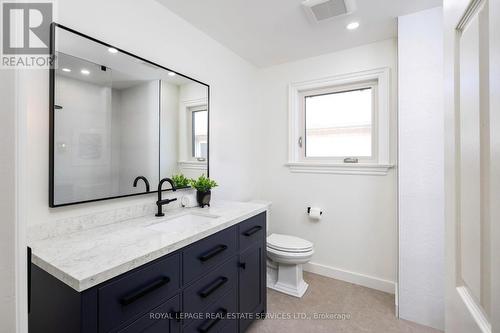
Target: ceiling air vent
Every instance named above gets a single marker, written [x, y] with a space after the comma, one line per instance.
[322, 10]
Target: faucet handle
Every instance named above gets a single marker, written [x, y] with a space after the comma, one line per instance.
[165, 201]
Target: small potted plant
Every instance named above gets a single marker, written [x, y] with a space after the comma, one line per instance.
[203, 185]
[180, 181]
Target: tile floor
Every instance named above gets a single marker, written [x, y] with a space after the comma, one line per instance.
[369, 310]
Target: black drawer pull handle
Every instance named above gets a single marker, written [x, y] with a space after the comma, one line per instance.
[212, 253]
[208, 325]
[252, 231]
[242, 265]
[219, 282]
[131, 298]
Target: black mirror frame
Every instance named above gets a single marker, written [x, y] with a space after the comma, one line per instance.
[53, 27]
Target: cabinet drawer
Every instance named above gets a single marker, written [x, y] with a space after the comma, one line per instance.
[216, 315]
[132, 295]
[163, 319]
[252, 230]
[208, 253]
[211, 287]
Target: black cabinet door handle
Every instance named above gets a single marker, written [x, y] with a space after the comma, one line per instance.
[219, 282]
[208, 325]
[134, 296]
[252, 231]
[212, 253]
[242, 265]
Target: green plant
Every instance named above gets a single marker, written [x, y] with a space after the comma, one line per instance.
[180, 180]
[203, 184]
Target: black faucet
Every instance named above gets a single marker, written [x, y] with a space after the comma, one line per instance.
[145, 182]
[161, 202]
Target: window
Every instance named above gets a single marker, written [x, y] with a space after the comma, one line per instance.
[199, 132]
[340, 124]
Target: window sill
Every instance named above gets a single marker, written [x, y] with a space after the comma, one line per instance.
[193, 165]
[340, 168]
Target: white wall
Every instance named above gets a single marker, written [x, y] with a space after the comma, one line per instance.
[356, 239]
[421, 165]
[153, 32]
[7, 201]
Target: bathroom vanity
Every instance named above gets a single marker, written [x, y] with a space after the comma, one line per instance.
[194, 270]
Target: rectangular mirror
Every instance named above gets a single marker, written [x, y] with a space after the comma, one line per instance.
[115, 117]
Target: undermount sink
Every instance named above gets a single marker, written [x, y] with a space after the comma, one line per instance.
[179, 223]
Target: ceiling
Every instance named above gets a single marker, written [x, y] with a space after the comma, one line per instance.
[269, 32]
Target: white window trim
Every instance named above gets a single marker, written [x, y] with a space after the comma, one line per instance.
[191, 110]
[192, 165]
[187, 107]
[381, 164]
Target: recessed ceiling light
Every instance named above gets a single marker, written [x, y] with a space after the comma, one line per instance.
[352, 26]
[67, 70]
[171, 74]
[112, 50]
[85, 71]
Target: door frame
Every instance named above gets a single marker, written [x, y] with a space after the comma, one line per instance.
[21, 268]
[494, 8]
[460, 304]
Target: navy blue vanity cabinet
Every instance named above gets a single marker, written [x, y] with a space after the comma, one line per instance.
[128, 296]
[217, 284]
[57, 308]
[216, 316]
[163, 319]
[211, 287]
[204, 255]
[252, 275]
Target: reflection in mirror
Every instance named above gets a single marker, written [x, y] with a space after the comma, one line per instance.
[199, 136]
[184, 123]
[117, 117]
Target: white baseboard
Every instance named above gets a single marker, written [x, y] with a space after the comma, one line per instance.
[475, 310]
[352, 277]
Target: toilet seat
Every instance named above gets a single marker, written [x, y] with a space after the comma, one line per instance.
[289, 244]
[289, 257]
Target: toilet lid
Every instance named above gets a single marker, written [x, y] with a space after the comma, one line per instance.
[288, 243]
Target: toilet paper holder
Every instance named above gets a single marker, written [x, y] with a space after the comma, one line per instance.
[309, 211]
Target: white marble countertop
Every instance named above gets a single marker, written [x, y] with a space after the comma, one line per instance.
[85, 258]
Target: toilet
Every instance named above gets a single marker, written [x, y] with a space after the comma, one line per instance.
[286, 255]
